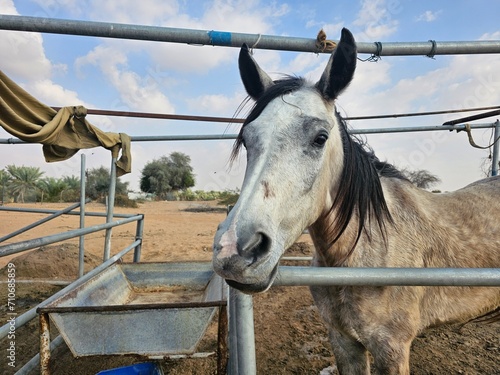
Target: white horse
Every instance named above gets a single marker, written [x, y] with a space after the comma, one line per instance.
[305, 171]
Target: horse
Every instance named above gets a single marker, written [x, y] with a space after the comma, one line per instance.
[305, 170]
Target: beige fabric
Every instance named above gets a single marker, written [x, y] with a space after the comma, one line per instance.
[63, 133]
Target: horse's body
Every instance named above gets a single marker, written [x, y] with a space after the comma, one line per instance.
[305, 171]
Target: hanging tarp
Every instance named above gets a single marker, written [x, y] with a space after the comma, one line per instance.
[63, 133]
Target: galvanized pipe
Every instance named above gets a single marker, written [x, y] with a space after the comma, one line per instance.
[110, 208]
[81, 241]
[49, 211]
[241, 334]
[218, 137]
[138, 237]
[496, 150]
[323, 276]
[229, 39]
[47, 240]
[40, 222]
[21, 320]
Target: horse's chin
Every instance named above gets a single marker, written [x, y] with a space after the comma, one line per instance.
[256, 287]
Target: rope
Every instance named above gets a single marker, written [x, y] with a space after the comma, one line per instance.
[471, 140]
[255, 44]
[432, 53]
[323, 44]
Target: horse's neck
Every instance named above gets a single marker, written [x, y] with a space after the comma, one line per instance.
[370, 247]
[328, 253]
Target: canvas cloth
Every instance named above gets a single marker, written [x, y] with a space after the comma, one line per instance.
[63, 133]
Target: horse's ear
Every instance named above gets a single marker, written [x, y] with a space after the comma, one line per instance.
[340, 68]
[255, 80]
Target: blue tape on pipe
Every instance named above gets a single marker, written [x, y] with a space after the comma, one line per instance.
[219, 38]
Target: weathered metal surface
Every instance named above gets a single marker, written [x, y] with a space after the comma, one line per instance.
[44, 344]
[151, 309]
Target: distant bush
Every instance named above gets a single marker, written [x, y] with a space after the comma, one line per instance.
[122, 200]
[224, 197]
[228, 197]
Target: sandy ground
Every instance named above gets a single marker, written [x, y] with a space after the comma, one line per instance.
[290, 337]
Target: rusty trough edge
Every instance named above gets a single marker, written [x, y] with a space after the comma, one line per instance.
[110, 308]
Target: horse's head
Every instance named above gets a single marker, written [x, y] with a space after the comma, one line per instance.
[291, 133]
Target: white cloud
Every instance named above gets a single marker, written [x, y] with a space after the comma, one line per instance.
[48, 92]
[376, 19]
[215, 104]
[22, 54]
[136, 92]
[429, 16]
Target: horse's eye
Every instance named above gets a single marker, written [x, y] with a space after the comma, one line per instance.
[320, 139]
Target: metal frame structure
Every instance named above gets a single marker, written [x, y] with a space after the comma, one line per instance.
[240, 306]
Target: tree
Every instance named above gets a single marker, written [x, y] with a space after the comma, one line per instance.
[98, 182]
[24, 180]
[4, 183]
[421, 178]
[53, 188]
[167, 174]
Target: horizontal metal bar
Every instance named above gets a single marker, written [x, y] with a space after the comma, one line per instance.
[239, 120]
[230, 39]
[48, 211]
[47, 240]
[211, 137]
[161, 116]
[188, 137]
[151, 306]
[41, 221]
[324, 276]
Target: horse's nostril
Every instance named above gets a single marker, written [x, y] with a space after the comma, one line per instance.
[260, 248]
[256, 247]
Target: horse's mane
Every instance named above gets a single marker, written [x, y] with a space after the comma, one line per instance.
[360, 192]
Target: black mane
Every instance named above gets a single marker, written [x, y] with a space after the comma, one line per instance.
[360, 193]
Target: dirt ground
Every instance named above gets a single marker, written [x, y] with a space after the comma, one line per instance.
[290, 337]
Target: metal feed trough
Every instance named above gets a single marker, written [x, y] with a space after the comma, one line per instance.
[150, 309]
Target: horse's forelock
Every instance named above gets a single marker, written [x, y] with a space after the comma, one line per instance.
[281, 87]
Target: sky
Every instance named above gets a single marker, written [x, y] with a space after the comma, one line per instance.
[112, 74]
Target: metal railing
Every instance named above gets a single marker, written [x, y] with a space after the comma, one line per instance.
[240, 305]
[18, 247]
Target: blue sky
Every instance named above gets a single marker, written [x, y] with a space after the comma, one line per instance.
[62, 70]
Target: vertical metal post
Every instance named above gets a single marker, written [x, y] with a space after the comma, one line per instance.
[138, 236]
[222, 341]
[81, 253]
[241, 334]
[110, 208]
[3, 192]
[44, 344]
[496, 149]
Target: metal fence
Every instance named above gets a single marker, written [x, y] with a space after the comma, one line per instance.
[241, 340]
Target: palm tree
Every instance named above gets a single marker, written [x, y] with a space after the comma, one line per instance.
[4, 181]
[23, 180]
[53, 187]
